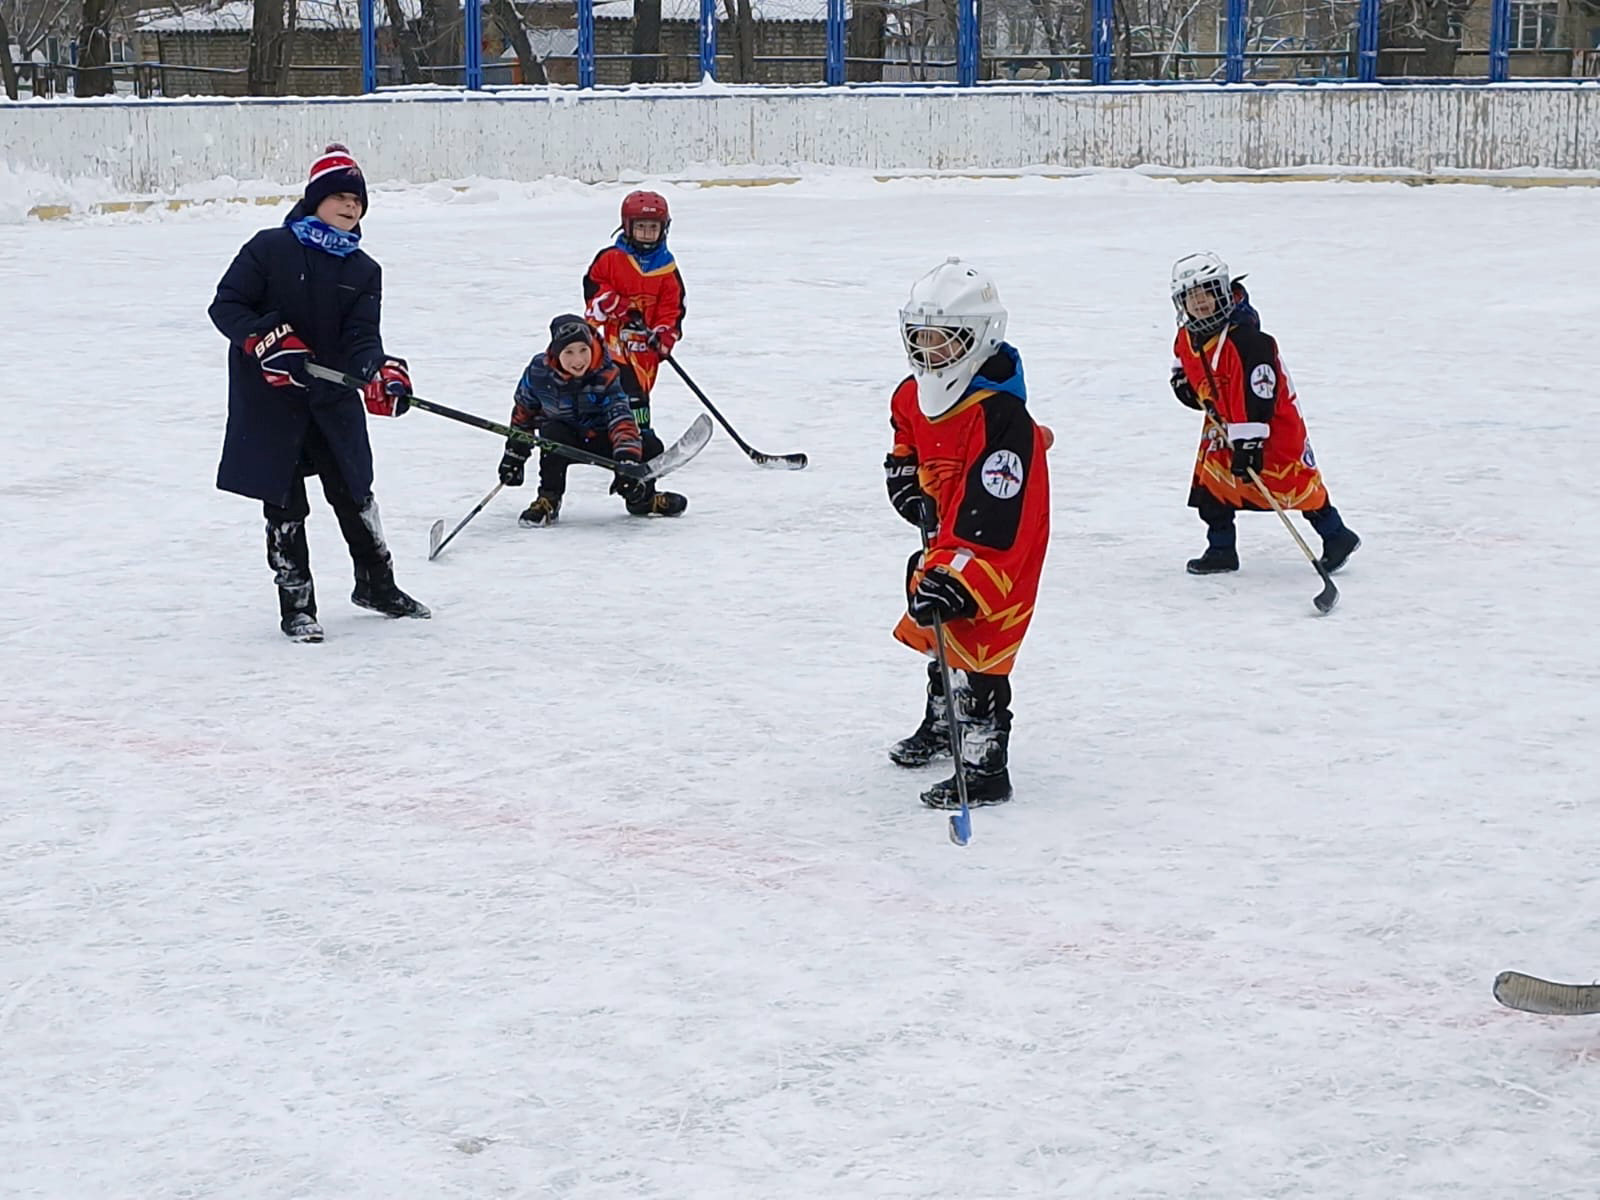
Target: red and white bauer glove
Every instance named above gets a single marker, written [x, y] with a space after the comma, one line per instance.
[388, 393]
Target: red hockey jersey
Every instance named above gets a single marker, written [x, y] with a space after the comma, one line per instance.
[983, 463]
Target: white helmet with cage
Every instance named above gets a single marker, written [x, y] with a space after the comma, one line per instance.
[951, 324]
[1202, 292]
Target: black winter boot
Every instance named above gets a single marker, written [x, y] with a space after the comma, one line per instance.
[984, 760]
[643, 500]
[289, 556]
[1337, 548]
[932, 738]
[1217, 560]
[377, 590]
[545, 510]
[301, 627]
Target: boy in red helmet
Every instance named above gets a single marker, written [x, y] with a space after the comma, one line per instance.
[635, 297]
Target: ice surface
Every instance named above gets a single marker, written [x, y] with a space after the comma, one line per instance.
[599, 884]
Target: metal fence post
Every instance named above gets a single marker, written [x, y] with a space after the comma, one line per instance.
[1367, 42]
[369, 47]
[1101, 16]
[834, 71]
[708, 39]
[472, 35]
[1499, 41]
[586, 43]
[1238, 21]
[967, 42]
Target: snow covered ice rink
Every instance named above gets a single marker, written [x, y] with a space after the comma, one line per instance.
[600, 885]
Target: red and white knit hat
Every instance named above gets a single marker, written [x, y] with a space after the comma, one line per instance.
[334, 171]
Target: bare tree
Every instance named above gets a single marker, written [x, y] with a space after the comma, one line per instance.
[405, 41]
[509, 23]
[643, 67]
[266, 48]
[1420, 37]
[286, 54]
[743, 22]
[8, 69]
[94, 49]
[441, 35]
[865, 38]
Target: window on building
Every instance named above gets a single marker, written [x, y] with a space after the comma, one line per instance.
[1533, 24]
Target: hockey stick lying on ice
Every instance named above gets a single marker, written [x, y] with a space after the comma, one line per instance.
[785, 462]
[961, 819]
[437, 542]
[693, 441]
[1329, 595]
[1526, 993]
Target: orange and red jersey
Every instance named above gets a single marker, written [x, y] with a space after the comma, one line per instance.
[1238, 373]
[646, 288]
[983, 464]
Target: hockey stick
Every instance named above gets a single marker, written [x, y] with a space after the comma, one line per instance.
[436, 543]
[681, 451]
[961, 820]
[1324, 600]
[1527, 993]
[786, 462]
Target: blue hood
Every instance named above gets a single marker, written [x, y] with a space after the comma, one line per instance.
[998, 377]
[654, 261]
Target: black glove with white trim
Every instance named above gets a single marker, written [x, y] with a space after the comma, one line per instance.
[940, 596]
[906, 494]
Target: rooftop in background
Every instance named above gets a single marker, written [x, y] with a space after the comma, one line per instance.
[237, 14]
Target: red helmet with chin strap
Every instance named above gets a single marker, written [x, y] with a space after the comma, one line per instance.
[645, 206]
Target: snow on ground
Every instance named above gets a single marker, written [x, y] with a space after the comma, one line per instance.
[599, 883]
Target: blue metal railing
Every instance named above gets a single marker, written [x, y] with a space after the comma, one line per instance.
[1234, 61]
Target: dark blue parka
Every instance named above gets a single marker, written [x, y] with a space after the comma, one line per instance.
[333, 304]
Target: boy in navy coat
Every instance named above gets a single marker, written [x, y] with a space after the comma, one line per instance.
[300, 292]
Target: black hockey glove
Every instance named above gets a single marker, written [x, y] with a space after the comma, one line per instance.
[1186, 394]
[513, 465]
[1247, 455]
[940, 596]
[906, 494]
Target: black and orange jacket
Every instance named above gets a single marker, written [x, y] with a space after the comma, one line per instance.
[983, 464]
[1239, 374]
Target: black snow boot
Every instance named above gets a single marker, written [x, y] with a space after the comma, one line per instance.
[301, 627]
[376, 589]
[984, 749]
[932, 738]
[643, 500]
[289, 556]
[545, 510]
[1338, 547]
[1217, 560]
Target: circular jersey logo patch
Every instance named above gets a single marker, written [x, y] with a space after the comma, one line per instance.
[1264, 381]
[1002, 474]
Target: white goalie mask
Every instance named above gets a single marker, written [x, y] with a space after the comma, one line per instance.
[950, 326]
[1202, 292]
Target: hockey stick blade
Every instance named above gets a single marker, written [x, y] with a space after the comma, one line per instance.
[1529, 994]
[779, 462]
[1328, 596]
[961, 826]
[435, 536]
[693, 441]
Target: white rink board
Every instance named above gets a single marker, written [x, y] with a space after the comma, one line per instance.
[157, 147]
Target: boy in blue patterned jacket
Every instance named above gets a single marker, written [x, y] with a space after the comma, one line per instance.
[572, 394]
